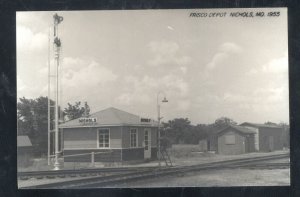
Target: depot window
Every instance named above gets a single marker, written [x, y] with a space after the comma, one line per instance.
[133, 137]
[103, 138]
[230, 139]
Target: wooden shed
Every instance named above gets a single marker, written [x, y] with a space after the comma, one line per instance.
[112, 135]
[235, 140]
[25, 151]
[267, 137]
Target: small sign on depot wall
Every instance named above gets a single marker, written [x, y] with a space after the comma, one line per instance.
[145, 120]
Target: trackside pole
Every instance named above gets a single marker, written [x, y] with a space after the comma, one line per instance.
[57, 47]
[49, 121]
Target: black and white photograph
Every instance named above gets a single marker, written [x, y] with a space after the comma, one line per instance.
[152, 98]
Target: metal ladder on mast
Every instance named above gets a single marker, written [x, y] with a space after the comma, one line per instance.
[166, 157]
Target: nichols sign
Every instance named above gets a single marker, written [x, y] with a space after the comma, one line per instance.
[87, 120]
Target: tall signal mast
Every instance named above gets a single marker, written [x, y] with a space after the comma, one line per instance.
[54, 73]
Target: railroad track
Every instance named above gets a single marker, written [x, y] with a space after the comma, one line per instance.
[75, 173]
[263, 166]
[147, 173]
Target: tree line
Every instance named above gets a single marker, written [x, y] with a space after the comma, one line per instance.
[32, 121]
[180, 130]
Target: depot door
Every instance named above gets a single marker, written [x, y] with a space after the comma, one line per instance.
[147, 144]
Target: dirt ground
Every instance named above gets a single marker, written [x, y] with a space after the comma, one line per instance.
[182, 155]
[220, 178]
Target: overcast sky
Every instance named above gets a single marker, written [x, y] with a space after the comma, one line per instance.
[207, 67]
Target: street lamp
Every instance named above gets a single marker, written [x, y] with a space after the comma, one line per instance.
[158, 127]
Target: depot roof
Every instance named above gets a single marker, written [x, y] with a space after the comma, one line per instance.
[109, 117]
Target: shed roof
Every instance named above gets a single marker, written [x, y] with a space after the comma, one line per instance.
[23, 141]
[257, 125]
[240, 129]
[109, 117]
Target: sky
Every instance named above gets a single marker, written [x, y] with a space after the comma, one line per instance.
[207, 67]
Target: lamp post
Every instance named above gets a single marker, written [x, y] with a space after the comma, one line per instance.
[158, 127]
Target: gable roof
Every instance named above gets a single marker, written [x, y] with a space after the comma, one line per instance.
[256, 125]
[109, 117]
[240, 129]
[23, 141]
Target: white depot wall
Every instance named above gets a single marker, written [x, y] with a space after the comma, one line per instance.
[80, 138]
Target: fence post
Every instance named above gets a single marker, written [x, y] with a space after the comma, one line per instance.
[93, 159]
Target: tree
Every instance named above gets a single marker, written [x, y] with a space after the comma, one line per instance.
[224, 122]
[25, 116]
[76, 111]
[203, 131]
[178, 129]
[33, 121]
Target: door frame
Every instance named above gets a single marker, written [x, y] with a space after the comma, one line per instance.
[147, 149]
[271, 143]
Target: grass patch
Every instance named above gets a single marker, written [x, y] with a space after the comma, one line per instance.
[186, 150]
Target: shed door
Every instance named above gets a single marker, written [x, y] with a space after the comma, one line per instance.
[247, 144]
[147, 144]
[271, 143]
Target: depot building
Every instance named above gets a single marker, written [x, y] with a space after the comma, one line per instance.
[110, 135]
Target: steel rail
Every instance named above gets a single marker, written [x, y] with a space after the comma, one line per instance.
[262, 165]
[114, 179]
[78, 171]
